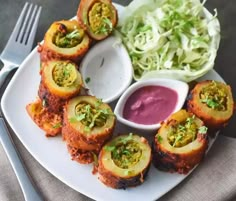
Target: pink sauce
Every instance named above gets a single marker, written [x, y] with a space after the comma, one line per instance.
[150, 105]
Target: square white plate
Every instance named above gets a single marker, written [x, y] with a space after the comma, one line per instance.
[52, 153]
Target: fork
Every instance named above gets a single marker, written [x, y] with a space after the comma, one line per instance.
[17, 48]
[21, 40]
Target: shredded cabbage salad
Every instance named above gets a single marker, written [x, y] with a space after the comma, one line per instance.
[170, 38]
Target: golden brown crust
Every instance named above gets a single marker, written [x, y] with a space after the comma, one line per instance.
[52, 102]
[115, 176]
[177, 159]
[79, 140]
[181, 163]
[212, 118]
[53, 95]
[111, 180]
[82, 17]
[75, 135]
[81, 156]
[50, 122]
[49, 51]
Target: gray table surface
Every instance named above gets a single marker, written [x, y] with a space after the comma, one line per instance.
[54, 10]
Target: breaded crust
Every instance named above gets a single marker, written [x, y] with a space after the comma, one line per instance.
[53, 95]
[48, 121]
[52, 102]
[213, 119]
[82, 17]
[115, 176]
[178, 159]
[76, 136]
[49, 51]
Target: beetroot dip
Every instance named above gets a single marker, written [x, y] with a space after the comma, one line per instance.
[150, 105]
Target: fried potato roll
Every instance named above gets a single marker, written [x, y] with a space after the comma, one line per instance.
[180, 143]
[124, 161]
[60, 81]
[97, 17]
[50, 122]
[88, 123]
[212, 101]
[64, 40]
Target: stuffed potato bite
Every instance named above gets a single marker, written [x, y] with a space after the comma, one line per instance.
[180, 143]
[212, 101]
[64, 40]
[124, 161]
[60, 81]
[49, 122]
[97, 17]
[88, 124]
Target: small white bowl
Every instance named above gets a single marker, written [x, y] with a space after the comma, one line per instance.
[181, 88]
[107, 69]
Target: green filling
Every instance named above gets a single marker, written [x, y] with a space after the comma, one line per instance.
[90, 116]
[183, 133]
[99, 18]
[214, 96]
[65, 38]
[126, 155]
[64, 74]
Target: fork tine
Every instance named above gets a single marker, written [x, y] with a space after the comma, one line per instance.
[29, 25]
[24, 24]
[18, 23]
[30, 39]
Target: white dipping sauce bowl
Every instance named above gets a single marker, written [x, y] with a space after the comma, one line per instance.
[181, 88]
[107, 69]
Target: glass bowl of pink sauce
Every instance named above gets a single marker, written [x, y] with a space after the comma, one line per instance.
[145, 104]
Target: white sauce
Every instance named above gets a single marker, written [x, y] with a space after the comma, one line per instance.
[107, 70]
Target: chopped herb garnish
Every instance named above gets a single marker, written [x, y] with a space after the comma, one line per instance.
[214, 96]
[108, 22]
[91, 115]
[159, 138]
[210, 102]
[98, 103]
[105, 111]
[87, 80]
[127, 172]
[73, 34]
[57, 125]
[106, 27]
[126, 153]
[109, 148]
[177, 139]
[73, 120]
[80, 117]
[202, 130]
[189, 121]
[87, 129]
[181, 127]
[77, 118]
[124, 140]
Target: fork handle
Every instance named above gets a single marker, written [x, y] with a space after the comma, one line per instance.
[5, 71]
[26, 184]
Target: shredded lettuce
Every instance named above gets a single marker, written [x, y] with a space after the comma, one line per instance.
[170, 38]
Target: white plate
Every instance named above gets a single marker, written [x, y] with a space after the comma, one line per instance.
[52, 153]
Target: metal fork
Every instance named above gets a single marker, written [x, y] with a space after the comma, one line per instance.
[18, 47]
[21, 40]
